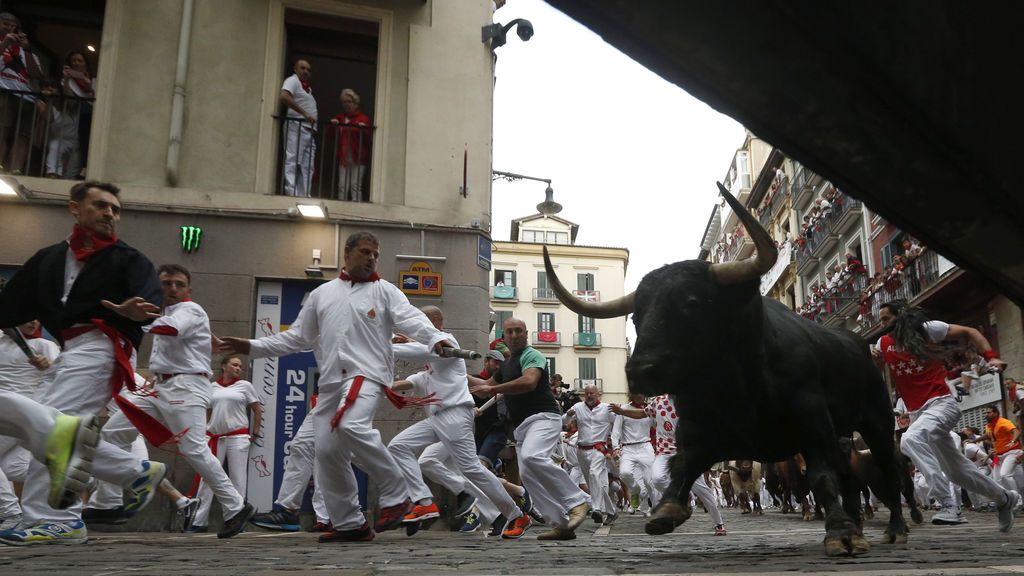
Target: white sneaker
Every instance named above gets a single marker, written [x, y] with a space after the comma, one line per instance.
[10, 522]
[949, 516]
[1006, 510]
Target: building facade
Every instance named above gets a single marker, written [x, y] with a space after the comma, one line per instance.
[583, 350]
[186, 117]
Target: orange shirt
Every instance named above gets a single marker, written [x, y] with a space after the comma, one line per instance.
[1002, 432]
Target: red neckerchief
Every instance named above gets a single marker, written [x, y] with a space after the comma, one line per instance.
[79, 234]
[305, 85]
[371, 278]
[222, 383]
[636, 405]
[84, 84]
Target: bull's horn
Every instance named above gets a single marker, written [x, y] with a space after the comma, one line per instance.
[751, 268]
[614, 309]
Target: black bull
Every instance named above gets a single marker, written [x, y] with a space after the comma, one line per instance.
[753, 380]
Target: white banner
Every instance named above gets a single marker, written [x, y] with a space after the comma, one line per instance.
[260, 491]
[984, 390]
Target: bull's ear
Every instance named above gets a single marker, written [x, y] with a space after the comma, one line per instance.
[745, 270]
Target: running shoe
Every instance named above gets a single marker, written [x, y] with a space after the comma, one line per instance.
[471, 524]
[10, 522]
[69, 452]
[524, 502]
[1006, 511]
[322, 526]
[465, 503]
[390, 517]
[498, 526]
[951, 515]
[577, 515]
[142, 490]
[720, 530]
[557, 534]
[196, 529]
[281, 520]
[234, 525]
[516, 528]
[73, 532]
[361, 534]
[188, 511]
[420, 513]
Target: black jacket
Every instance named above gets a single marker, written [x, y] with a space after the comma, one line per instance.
[116, 274]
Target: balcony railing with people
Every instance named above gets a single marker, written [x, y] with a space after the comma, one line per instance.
[503, 293]
[580, 383]
[546, 338]
[330, 160]
[45, 133]
[586, 339]
[908, 277]
[828, 216]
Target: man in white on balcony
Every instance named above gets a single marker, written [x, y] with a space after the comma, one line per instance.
[595, 420]
[299, 129]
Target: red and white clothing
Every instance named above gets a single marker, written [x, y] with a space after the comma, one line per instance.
[14, 70]
[109, 496]
[662, 410]
[182, 345]
[632, 437]
[229, 438]
[933, 415]
[350, 325]
[592, 449]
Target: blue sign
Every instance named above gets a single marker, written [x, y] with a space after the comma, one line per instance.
[483, 253]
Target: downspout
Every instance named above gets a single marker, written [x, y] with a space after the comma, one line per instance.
[178, 102]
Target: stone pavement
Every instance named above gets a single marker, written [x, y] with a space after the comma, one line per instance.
[771, 544]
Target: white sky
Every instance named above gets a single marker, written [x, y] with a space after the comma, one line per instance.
[633, 159]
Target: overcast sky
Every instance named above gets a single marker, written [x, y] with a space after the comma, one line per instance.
[633, 159]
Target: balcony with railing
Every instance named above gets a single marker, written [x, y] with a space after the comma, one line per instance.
[586, 339]
[740, 246]
[580, 383]
[329, 160]
[773, 203]
[544, 296]
[504, 293]
[845, 210]
[546, 339]
[587, 295]
[920, 274]
[48, 133]
[801, 188]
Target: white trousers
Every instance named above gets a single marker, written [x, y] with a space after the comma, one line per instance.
[235, 451]
[299, 156]
[109, 496]
[1010, 474]
[437, 464]
[14, 461]
[977, 499]
[78, 385]
[183, 412]
[299, 467]
[635, 464]
[926, 442]
[453, 428]
[354, 439]
[350, 182]
[594, 465]
[551, 490]
[663, 476]
[63, 157]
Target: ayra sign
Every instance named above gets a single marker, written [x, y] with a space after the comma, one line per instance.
[420, 280]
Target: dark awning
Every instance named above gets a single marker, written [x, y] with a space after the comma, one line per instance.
[913, 107]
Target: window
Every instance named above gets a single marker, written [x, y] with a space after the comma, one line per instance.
[558, 237]
[330, 162]
[504, 277]
[545, 322]
[533, 235]
[586, 324]
[542, 282]
[551, 365]
[743, 169]
[588, 368]
[499, 322]
[893, 248]
[855, 249]
[585, 281]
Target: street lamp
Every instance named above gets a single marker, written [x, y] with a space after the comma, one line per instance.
[548, 207]
[497, 34]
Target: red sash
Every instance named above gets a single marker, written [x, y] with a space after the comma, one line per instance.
[123, 375]
[599, 446]
[213, 450]
[396, 399]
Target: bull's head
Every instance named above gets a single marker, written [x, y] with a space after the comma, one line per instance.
[685, 312]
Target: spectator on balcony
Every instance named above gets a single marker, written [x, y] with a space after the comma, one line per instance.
[77, 81]
[59, 116]
[854, 266]
[19, 67]
[299, 130]
[353, 130]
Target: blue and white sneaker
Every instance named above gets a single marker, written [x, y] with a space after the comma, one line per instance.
[472, 523]
[142, 490]
[73, 532]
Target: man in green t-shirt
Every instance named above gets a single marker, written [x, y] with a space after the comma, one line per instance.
[532, 409]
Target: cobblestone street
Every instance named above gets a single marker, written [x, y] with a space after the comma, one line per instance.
[774, 543]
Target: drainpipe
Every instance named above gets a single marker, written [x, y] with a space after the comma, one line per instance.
[178, 103]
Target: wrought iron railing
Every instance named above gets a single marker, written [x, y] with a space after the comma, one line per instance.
[544, 295]
[47, 134]
[919, 274]
[327, 160]
[579, 383]
[546, 338]
[586, 339]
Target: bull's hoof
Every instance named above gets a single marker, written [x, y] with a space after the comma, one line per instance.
[852, 545]
[915, 516]
[891, 537]
[665, 518]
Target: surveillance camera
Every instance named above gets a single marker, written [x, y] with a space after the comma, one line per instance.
[525, 30]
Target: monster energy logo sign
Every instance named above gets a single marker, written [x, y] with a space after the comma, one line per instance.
[190, 238]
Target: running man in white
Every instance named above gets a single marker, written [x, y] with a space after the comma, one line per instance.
[631, 439]
[595, 419]
[180, 360]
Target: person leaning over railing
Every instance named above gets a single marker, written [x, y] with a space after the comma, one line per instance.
[353, 129]
[77, 81]
[18, 68]
[59, 116]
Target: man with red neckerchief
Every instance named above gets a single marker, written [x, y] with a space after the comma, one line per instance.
[595, 420]
[300, 127]
[631, 439]
[95, 293]
[349, 323]
[909, 350]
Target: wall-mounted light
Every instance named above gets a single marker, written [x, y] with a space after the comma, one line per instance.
[497, 33]
[90, 47]
[318, 211]
[10, 187]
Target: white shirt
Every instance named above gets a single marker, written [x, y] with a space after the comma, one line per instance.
[72, 268]
[304, 99]
[16, 374]
[229, 406]
[569, 449]
[975, 452]
[595, 425]
[187, 350]
[631, 430]
[445, 377]
[351, 325]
